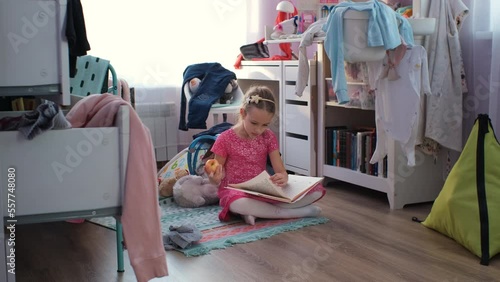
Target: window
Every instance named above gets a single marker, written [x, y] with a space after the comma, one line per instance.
[151, 42]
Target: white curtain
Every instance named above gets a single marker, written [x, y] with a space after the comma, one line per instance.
[494, 107]
[480, 40]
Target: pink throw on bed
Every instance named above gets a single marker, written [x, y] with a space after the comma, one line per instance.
[141, 212]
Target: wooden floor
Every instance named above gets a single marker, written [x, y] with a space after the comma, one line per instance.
[363, 241]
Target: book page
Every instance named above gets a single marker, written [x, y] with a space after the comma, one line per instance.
[295, 189]
[262, 184]
[299, 185]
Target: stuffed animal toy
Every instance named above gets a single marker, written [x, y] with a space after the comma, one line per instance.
[226, 98]
[286, 29]
[166, 186]
[192, 191]
[194, 84]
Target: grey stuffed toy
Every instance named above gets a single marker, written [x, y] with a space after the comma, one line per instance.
[192, 191]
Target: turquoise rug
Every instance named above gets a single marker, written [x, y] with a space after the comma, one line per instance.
[217, 234]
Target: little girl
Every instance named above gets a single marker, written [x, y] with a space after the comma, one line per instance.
[242, 153]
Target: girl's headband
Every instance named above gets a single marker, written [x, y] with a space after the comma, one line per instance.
[256, 99]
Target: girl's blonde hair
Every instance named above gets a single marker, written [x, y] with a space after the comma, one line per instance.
[260, 97]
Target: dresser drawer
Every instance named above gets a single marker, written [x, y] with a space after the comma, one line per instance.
[259, 72]
[291, 73]
[297, 119]
[290, 87]
[297, 152]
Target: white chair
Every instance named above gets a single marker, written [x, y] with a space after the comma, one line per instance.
[217, 108]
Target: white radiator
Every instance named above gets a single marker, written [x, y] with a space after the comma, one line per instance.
[161, 119]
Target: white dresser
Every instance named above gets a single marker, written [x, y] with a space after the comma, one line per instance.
[295, 126]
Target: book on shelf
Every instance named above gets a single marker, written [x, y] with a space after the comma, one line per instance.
[23, 104]
[328, 146]
[331, 144]
[261, 185]
[361, 151]
[352, 148]
[374, 167]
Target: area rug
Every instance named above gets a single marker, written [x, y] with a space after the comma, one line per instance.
[217, 234]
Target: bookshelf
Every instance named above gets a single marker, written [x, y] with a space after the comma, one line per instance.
[402, 184]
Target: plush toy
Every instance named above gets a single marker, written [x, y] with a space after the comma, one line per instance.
[194, 84]
[226, 98]
[286, 29]
[166, 186]
[192, 191]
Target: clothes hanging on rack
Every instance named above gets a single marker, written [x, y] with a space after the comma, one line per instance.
[397, 102]
[314, 30]
[383, 30]
[76, 34]
[444, 112]
[394, 56]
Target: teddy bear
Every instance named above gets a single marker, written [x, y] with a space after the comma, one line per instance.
[166, 186]
[226, 98]
[192, 191]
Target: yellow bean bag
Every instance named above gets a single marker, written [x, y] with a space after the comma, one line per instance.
[468, 207]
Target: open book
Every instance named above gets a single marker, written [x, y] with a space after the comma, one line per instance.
[262, 186]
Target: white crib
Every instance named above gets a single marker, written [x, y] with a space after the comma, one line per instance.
[59, 175]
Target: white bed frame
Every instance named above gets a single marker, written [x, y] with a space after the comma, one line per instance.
[60, 175]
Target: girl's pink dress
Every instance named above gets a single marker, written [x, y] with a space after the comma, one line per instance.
[245, 158]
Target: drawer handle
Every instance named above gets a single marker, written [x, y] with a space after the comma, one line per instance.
[295, 102]
[298, 136]
[287, 82]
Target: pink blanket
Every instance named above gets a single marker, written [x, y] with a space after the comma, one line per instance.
[141, 212]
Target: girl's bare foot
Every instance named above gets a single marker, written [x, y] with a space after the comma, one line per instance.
[249, 219]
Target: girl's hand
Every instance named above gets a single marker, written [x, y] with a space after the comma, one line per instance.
[280, 178]
[217, 176]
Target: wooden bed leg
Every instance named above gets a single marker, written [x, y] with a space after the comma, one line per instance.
[119, 245]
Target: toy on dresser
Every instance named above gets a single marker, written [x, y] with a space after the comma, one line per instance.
[226, 98]
[286, 29]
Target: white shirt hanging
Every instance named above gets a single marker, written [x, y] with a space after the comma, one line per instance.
[397, 102]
